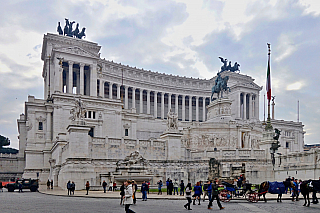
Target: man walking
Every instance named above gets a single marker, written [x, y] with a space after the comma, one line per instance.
[134, 190]
[215, 194]
[69, 187]
[175, 187]
[144, 190]
[181, 188]
[104, 185]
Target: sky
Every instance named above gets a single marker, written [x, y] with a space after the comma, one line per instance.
[181, 37]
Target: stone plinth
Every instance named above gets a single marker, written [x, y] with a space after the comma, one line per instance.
[219, 109]
[174, 150]
[78, 141]
[266, 142]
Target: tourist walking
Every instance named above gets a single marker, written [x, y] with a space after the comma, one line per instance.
[148, 184]
[69, 187]
[128, 196]
[87, 187]
[122, 187]
[110, 186]
[114, 186]
[51, 184]
[197, 193]
[144, 190]
[182, 188]
[205, 191]
[73, 187]
[159, 187]
[1, 187]
[295, 190]
[215, 194]
[167, 184]
[48, 184]
[188, 196]
[104, 186]
[134, 190]
[175, 187]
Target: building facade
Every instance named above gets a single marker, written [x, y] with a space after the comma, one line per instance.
[101, 120]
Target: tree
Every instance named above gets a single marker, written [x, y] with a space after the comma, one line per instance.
[4, 141]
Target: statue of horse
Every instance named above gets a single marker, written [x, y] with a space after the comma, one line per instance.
[235, 67]
[82, 34]
[70, 29]
[220, 86]
[66, 27]
[75, 33]
[59, 29]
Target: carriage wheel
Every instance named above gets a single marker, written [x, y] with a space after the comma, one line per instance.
[253, 197]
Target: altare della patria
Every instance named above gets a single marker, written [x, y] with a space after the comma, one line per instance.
[101, 120]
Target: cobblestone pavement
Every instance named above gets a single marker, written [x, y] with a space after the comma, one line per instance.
[36, 202]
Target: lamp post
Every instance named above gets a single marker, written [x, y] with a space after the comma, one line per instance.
[275, 145]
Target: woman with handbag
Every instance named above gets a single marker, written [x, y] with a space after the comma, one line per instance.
[188, 196]
[128, 200]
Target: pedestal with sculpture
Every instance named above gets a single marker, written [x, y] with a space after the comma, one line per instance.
[172, 136]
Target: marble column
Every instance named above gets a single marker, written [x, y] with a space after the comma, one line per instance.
[244, 106]
[81, 78]
[257, 106]
[148, 101]
[133, 98]
[110, 90]
[78, 83]
[141, 101]
[70, 83]
[169, 101]
[126, 97]
[250, 106]
[155, 110]
[162, 105]
[203, 108]
[101, 89]
[176, 103]
[190, 108]
[93, 80]
[197, 108]
[239, 105]
[183, 108]
[118, 91]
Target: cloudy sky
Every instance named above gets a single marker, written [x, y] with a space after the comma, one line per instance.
[183, 37]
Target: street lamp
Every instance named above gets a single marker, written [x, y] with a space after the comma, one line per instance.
[275, 145]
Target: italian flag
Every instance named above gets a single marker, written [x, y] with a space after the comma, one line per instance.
[268, 82]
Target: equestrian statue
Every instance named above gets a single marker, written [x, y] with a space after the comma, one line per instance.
[68, 31]
[220, 86]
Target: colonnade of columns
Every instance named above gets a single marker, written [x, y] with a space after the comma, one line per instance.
[76, 78]
[249, 104]
[188, 107]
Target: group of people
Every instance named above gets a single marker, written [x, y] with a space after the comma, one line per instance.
[172, 186]
[134, 187]
[71, 186]
[210, 189]
[49, 184]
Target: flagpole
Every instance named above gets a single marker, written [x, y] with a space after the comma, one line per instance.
[269, 126]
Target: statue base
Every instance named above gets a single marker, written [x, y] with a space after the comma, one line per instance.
[219, 110]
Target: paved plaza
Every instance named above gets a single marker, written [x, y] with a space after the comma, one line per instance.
[38, 202]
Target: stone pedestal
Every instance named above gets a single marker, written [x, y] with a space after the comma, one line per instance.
[78, 141]
[174, 146]
[219, 109]
[266, 142]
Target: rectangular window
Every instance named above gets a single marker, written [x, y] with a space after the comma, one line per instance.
[89, 114]
[94, 115]
[40, 126]
[287, 144]
[126, 132]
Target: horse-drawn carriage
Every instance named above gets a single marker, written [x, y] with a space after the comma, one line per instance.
[248, 191]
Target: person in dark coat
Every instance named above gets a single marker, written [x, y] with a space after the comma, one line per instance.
[104, 186]
[144, 190]
[167, 184]
[69, 187]
[48, 184]
[87, 187]
[134, 190]
[170, 187]
[215, 194]
[122, 187]
[73, 187]
[51, 184]
[182, 188]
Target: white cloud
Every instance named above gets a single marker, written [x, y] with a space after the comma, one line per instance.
[311, 6]
[295, 86]
[285, 47]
